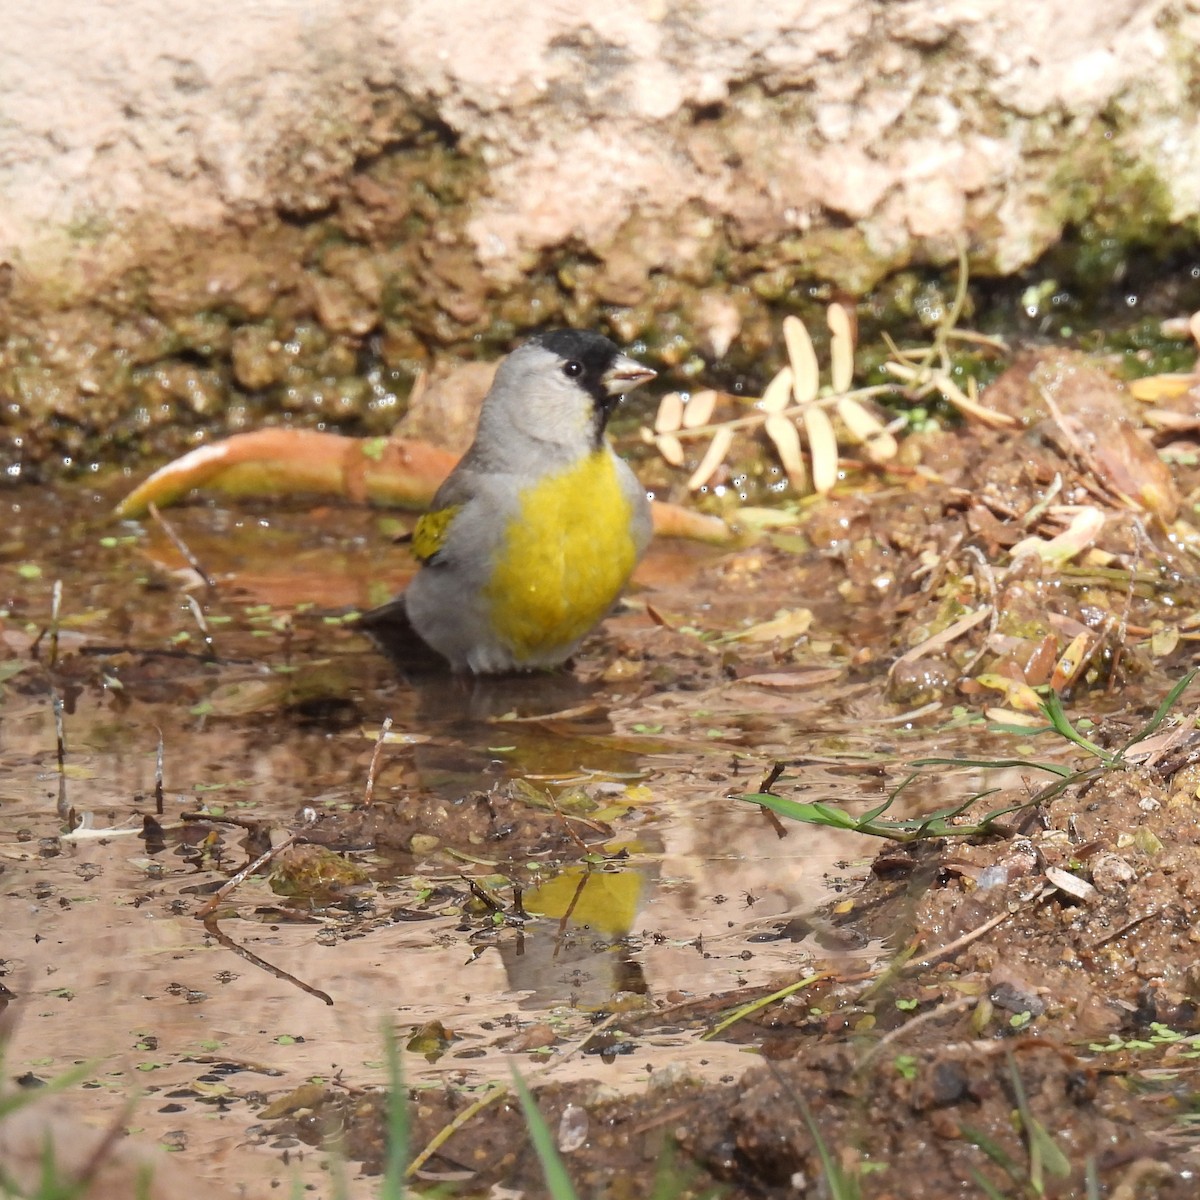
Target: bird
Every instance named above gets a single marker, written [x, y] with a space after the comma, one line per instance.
[532, 537]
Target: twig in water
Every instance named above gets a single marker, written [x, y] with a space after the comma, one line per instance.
[373, 769]
[182, 546]
[235, 880]
[158, 777]
[1124, 929]
[202, 625]
[480, 894]
[55, 606]
[211, 927]
[208, 915]
[60, 741]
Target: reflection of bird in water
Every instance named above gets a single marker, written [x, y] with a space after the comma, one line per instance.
[576, 954]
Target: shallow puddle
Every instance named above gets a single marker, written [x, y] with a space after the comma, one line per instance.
[537, 852]
[640, 883]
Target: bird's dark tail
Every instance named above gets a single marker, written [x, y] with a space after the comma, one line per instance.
[390, 629]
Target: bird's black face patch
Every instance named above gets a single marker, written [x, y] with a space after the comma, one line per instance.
[586, 357]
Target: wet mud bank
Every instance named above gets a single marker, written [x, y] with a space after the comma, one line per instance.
[565, 872]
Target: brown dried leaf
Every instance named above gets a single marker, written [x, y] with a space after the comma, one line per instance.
[670, 413]
[866, 426]
[286, 462]
[777, 393]
[822, 447]
[806, 372]
[675, 521]
[714, 456]
[699, 409]
[841, 348]
[786, 438]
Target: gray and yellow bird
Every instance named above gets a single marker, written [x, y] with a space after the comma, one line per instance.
[531, 538]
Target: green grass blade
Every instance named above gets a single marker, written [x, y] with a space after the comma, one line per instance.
[996, 764]
[1020, 730]
[558, 1182]
[893, 796]
[994, 1151]
[814, 813]
[988, 1189]
[840, 1183]
[1162, 711]
[1057, 716]
[396, 1162]
[745, 1010]
[23, 1097]
[1045, 1154]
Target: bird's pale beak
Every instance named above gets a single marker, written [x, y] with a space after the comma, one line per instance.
[624, 375]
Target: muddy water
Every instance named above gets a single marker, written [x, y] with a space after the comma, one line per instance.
[664, 888]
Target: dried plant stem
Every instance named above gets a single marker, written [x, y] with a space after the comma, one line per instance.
[759, 417]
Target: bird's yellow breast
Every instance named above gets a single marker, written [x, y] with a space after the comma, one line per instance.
[563, 558]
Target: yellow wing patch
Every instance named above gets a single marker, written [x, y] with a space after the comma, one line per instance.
[563, 559]
[429, 533]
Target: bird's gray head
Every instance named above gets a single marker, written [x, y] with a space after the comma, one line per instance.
[558, 391]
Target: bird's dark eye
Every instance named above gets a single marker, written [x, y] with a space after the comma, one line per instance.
[573, 368]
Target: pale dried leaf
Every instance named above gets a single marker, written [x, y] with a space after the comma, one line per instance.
[671, 448]
[1174, 422]
[841, 348]
[1017, 693]
[1072, 885]
[1073, 661]
[806, 372]
[670, 413]
[778, 392]
[792, 680]
[1085, 527]
[786, 438]
[822, 447]
[1007, 716]
[714, 456]
[792, 623]
[944, 638]
[868, 429]
[756, 519]
[1153, 388]
[902, 371]
[1194, 327]
[699, 409]
[1164, 641]
[419, 388]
